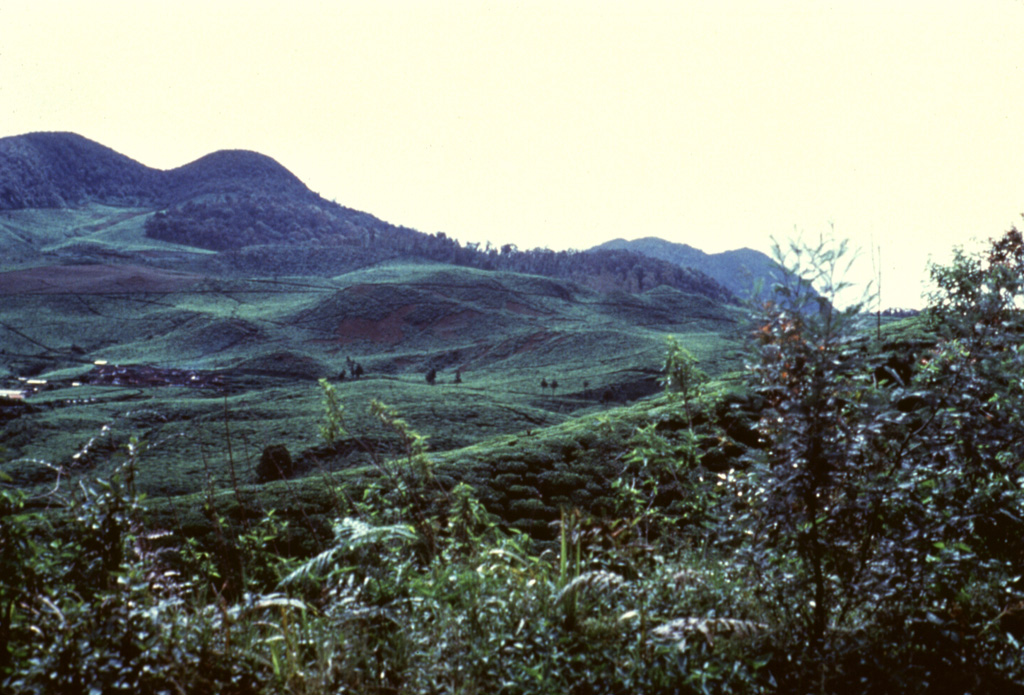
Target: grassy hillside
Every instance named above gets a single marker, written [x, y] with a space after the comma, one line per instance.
[199, 306]
[256, 347]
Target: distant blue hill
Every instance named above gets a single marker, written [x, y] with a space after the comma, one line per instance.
[739, 270]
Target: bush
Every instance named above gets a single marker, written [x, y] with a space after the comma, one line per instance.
[867, 528]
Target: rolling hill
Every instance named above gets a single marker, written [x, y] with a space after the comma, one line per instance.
[163, 305]
[257, 216]
[190, 348]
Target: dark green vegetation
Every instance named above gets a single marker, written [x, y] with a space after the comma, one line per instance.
[593, 508]
[221, 291]
[261, 219]
[740, 270]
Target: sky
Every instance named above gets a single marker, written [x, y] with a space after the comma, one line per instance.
[563, 124]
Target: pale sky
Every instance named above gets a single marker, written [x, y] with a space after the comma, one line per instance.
[565, 124]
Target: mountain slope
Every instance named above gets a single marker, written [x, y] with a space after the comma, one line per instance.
[54, 170]
[65, 170]
[255, 215]
[738, 270]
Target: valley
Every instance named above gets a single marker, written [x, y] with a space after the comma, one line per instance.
[197, 356]
[87, 288]
[253, 441]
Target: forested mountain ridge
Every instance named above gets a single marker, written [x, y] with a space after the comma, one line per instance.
[51, 170]
[263, 220]
[739, 270]
[59, 170]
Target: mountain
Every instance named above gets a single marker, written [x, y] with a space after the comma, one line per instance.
[235, 171]
[738, 270]
[256, 216]
[53, 170]
[62, 170]
[202, 304]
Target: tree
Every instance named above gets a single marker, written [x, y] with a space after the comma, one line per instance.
[275, 464]
[887, 536]
[808, 370]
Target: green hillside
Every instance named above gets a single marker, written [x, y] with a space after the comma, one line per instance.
[221, 291]
[254, 442]
[268, 341]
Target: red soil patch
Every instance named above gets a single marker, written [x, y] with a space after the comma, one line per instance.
[518, 308]
[94, 279]
[534, 341]
[513, 346]
[452, 324]
[360, 290]
[389, 330]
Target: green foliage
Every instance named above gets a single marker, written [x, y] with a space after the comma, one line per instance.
[22, 570]
[479, 610]
[103, 608]
[873, 516]
[866, 537]
[663, 491]
[333, 425]
[683, 378]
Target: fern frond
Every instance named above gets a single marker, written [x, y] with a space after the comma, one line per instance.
[311, 568]
[352, 533]
[349, 534]
[253, 603]
[279, 601]
[689, 578]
